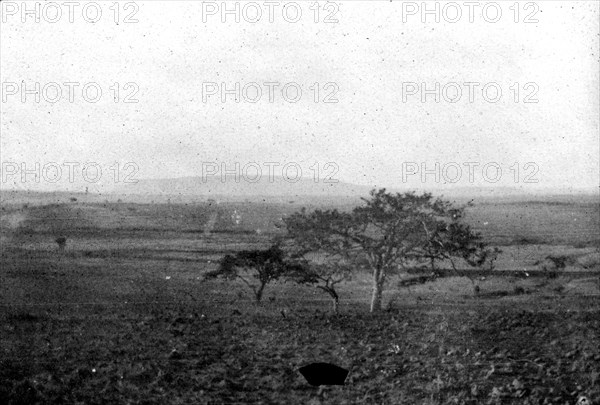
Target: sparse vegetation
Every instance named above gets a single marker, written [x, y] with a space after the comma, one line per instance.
[126, 316]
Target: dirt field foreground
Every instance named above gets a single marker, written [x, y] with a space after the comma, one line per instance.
[122, 316]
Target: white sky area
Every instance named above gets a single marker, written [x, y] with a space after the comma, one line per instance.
[369, 133]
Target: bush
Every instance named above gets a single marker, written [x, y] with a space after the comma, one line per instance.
[589, 261]
[553, 266]
[518, 290]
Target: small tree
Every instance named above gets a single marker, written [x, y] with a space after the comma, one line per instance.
[264, 266]
[327, 276]
[61, 242]
[324, 267]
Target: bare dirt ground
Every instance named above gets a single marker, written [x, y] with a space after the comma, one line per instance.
[123, 316]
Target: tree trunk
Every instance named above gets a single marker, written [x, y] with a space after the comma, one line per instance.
[259, 293]
[335, 298]
[336, 305]
[377, 298]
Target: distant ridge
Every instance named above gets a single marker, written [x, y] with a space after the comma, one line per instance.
[278, 188]
[307, 187]
[214, 186]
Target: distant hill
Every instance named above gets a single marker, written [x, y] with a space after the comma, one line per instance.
[305, 190]
[307, 187]
[214, 186]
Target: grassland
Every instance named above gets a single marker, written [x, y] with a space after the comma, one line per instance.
[123, 316]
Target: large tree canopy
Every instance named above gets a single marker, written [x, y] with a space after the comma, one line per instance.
[390, 231]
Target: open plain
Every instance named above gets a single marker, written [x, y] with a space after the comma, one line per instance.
[123, 315]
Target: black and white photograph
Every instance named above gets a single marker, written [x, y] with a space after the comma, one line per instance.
[300, 202]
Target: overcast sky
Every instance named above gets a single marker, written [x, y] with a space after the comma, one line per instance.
[370, 57]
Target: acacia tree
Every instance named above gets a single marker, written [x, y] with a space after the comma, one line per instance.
[262, 266]
[389, 232]
[326, 276]
[321, 263]
[324, 263]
